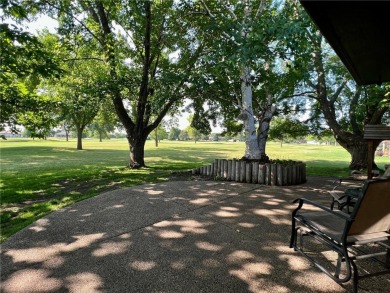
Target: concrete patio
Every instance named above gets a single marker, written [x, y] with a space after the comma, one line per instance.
[178, 236]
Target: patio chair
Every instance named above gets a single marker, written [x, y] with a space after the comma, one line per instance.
[345, 193]
[350, 236]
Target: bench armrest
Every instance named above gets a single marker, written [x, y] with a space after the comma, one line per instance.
[302, 201]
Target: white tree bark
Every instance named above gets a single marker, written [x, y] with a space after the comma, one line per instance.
[252, 150]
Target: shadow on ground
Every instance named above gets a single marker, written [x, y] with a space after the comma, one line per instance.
[183, 236]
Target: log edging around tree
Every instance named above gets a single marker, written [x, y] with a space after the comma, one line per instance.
[274, 173]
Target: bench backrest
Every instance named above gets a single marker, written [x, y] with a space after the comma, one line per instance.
[372, 211]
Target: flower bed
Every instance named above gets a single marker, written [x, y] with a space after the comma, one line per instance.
[274, 173]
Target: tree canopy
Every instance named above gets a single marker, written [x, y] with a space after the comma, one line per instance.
[149, 50]
[240, 62]
[24, 62]
[250, 69]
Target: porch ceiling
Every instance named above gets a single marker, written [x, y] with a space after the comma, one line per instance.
[359, 32]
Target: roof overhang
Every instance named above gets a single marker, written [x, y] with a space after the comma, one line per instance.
[359, 32]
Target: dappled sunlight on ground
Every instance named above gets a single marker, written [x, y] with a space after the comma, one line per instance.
[169, 237]
[31, 280]
[143, 265]
[113, 247]
[226, 213]
[38, 280]
[39, 225]
[39, 254]
[186, 226]
[293, 264]
[208, 246]
[84, 282]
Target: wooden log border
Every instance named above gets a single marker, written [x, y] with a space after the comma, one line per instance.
[252, 172]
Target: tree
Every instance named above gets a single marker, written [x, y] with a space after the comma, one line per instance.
[326, 136]
[184, 135]
[105, 121]
[241, 19]
[249, 69]
[192, 131]
[174, 133]
[337, 101]
[66, 125]
[81, 109]
[78, 101]
[24, 61]
[283, 129]
[78, 104]
[158, 134]
[150, 50]
[40, 119]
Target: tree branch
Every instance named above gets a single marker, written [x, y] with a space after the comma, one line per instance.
[232, 14]
[305, 94]
[337, 93]
[170, 102]
[311, 84]
[207, 9]
[84, 58]
[352, 111]
[208, 13]
[377, 115]
[117, 98]
[88, 7]
[260, 9]
[49, 3]
[135, 44]
[158, 50]
[144, 87]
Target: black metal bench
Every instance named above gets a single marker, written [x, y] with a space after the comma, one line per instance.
[347, 234]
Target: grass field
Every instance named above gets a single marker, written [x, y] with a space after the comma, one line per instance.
[38, 177]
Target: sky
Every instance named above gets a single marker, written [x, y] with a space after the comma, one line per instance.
[42, 22]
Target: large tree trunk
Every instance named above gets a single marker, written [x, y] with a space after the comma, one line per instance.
[262, 139]
[359, 155]
[358, 149]
[137, 151]
[251, 145]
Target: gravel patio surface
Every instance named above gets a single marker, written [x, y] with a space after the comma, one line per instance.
[178, 236]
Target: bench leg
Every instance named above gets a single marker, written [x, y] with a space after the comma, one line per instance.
[355, 278]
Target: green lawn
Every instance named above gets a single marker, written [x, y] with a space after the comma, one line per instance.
[40, 176]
